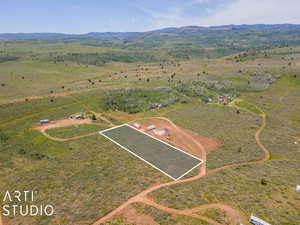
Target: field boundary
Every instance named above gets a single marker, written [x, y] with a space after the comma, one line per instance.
[115, 142]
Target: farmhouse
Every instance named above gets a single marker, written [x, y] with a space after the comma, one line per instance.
[256, 221]
[224, 99]
[298, 188]
[151, 127]
[209, 100]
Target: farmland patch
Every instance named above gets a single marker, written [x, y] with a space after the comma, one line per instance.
[169, 160]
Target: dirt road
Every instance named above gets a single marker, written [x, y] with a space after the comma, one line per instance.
[258, 141]
[69, 122]
[233, 213]
[196, 147]
[68, 139]
[175, 138]
[61, 94]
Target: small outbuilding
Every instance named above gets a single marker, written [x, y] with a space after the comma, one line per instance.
[257, 221]
[151, 127]
[161, 132]
[77, 116]
[160, 106]
[298, 188]
[44, 121]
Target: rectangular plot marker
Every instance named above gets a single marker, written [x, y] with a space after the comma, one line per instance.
[173, 162]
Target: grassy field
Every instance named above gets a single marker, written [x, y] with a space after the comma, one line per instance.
[87, 178]
[242, 186]
[223, 124]
[89, 172]
[74, 131]
[159, 217]
[35, 74]
[217, 215]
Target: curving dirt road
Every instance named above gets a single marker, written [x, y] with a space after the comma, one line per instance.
[142, 196]
[60, 94]
[196, 146]
[68, 139]
[70, 122]
[258, 141]
[233, 213]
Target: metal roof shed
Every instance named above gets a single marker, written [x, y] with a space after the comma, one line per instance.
[160, 132]
[151, 127]
[44, 121]
[256, 221]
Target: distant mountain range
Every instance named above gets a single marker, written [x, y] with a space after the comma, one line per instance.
[171, 31]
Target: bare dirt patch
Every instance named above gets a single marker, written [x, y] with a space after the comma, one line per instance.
[60, 123]
[175, 138]
[63, 123]
[133, 217]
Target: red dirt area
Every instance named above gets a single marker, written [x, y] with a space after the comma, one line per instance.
[60, 123]
[133, 217]
[174, 137]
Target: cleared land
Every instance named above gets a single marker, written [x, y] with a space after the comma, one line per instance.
[175, 138]
[169, 160]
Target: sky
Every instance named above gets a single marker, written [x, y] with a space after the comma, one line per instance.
[83, 16]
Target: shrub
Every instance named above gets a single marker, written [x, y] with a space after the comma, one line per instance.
[138, 100]
[263, 182]
[3, 136]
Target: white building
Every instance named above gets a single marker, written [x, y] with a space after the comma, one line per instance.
[151, 127]
[298, 188]
[256, 221]
[160, 132]
[77, 116]
[44, 121]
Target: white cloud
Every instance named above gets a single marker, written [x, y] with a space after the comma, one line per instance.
[171, 17]
[199, 2]
[225, 12]
[255, 12]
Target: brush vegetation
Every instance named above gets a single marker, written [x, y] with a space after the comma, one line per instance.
[169, 73]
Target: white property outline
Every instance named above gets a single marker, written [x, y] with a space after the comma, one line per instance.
[115, 142]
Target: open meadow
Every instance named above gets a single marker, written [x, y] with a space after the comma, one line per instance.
[245, 98]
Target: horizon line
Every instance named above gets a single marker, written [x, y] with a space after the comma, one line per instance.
[198, 26]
